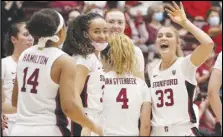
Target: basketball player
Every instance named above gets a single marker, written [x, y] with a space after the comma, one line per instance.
[173, 78]
[44, 89]
[16, 41]
[126, 98]
[86, 37]
[116, 24]
[214, 86]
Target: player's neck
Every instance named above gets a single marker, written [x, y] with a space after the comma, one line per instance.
[15, 55]
[167, 62]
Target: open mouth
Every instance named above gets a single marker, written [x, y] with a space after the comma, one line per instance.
[164, 46]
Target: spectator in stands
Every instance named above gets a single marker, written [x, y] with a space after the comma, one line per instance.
[64, 7]
[12, 11]
[73, 15]
[196, 8]
[214, 28]
[206, 119]
[155, 16]
[204, 72]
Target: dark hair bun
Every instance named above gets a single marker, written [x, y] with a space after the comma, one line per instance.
[43, 23]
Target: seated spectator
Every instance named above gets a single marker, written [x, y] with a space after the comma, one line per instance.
[196, 8]
[204, 72]
[12, 11]
[63, 6]
[214, 28]
[206, 119]
[155, 15]
[73, 15]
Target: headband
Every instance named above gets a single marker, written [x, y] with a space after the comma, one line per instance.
[42, 41]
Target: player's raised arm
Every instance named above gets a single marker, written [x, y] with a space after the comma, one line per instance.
[202, 52]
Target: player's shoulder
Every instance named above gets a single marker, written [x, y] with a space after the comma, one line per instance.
[88, 57]
[137, 50]
[139, 81]
[109, 74]
[6, 59]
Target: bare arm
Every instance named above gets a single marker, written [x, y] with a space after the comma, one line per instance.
[80, 78]
[214, 85]
[209, 119]
[70, 105]
[202, 52]
[15, 93]
[6, 108]
[145, 119]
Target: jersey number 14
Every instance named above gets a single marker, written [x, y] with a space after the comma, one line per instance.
[32, 80]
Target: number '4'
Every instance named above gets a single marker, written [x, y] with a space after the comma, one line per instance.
[122, 97]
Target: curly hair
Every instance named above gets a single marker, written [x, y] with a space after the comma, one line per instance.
[43, 23]
[13, 31]
[120, 54]
[77, 42]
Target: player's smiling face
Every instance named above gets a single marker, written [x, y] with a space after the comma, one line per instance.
[166, 41]
[98, 30]
[115, 21]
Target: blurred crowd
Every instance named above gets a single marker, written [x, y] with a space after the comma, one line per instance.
[143, 18]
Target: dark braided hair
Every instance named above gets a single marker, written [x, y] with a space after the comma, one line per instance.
[77, 42]
[13, 31]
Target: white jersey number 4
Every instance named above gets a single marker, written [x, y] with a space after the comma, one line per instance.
[122, 97]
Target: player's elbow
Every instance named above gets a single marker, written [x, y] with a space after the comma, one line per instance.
[67, 107]
[211, 44]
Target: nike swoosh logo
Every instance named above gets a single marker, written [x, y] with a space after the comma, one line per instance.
[13, 73]
[154, 76]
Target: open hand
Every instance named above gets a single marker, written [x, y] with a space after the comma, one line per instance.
[176, 14]
[4, 121]
[98, 130]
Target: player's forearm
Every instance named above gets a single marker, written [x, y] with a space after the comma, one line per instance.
[200, 35]
[144, 130]
[8, 109]
[79, 116]
[216, 105]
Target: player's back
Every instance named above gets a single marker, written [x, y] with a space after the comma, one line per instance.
[38, 97]
[122, 100]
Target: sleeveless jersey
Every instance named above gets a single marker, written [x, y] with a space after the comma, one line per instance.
[92, 92]
[8, 78]
[38, 97]
[172, 93]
